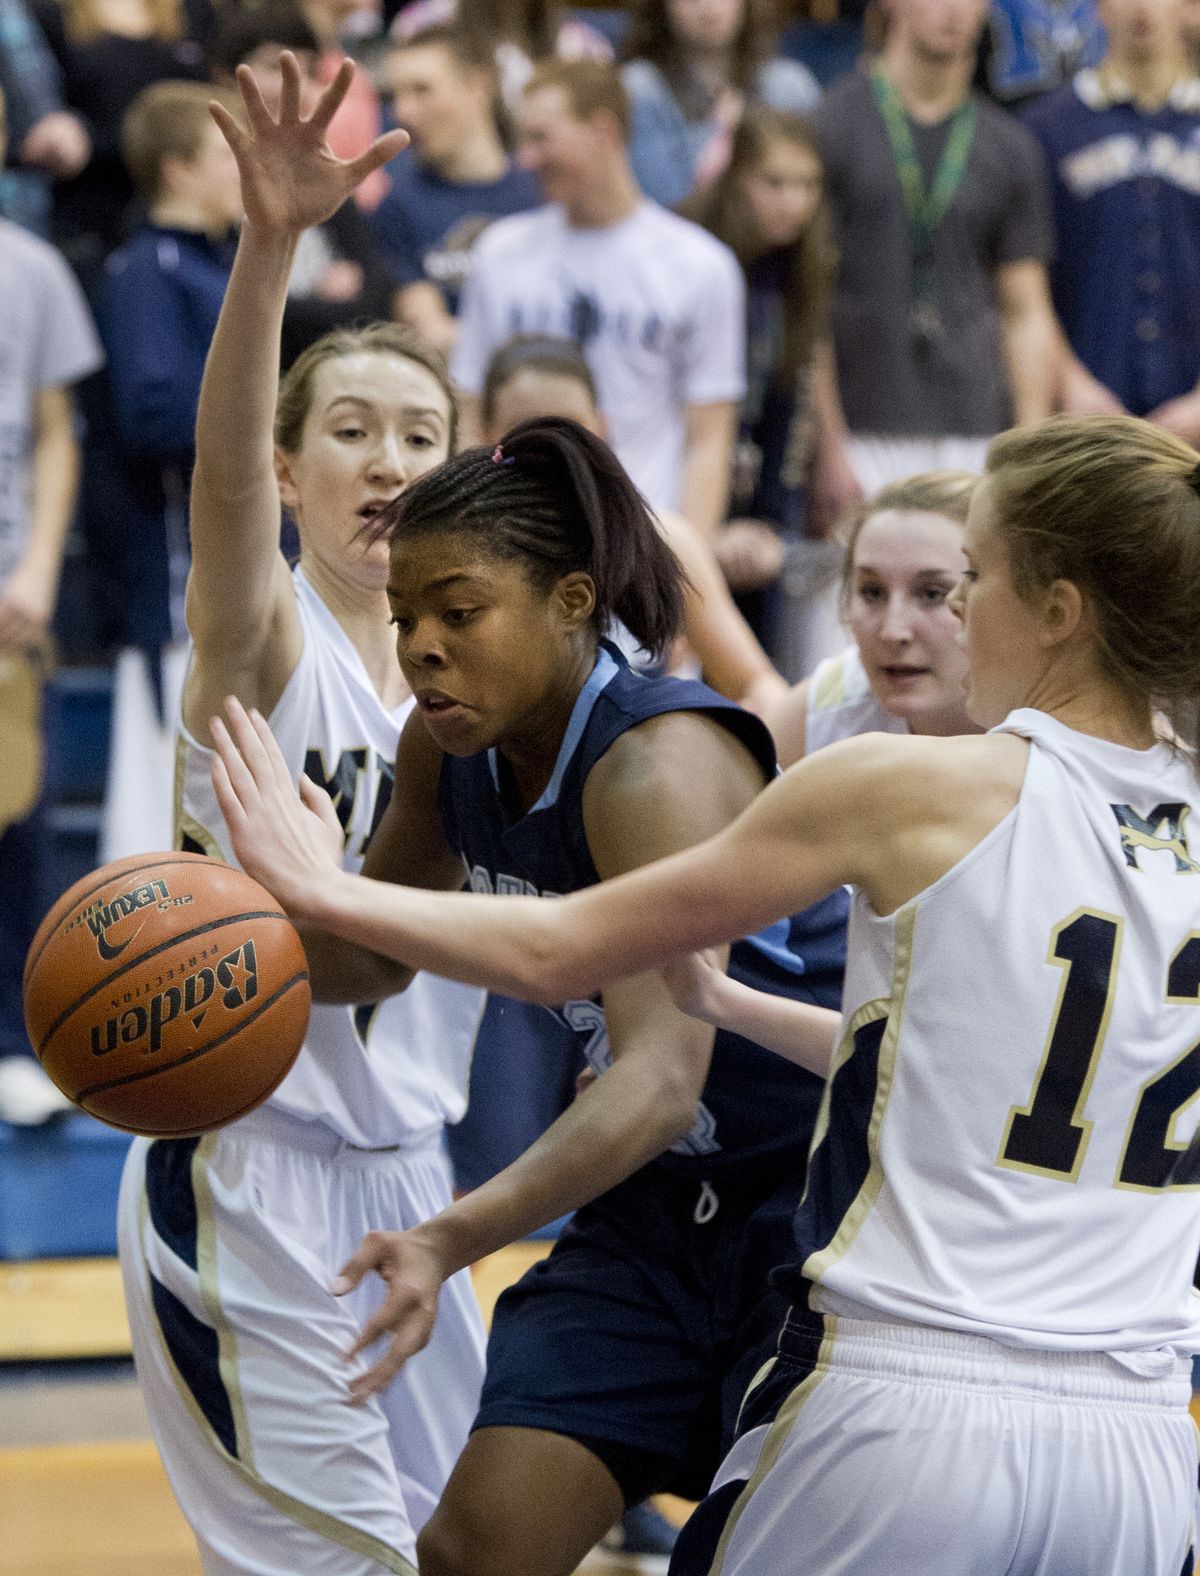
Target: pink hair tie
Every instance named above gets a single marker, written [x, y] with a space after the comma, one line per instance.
[497, 455]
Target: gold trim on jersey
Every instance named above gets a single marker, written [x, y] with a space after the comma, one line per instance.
[184, 824]
[776, 1438]
[206, 1270]
[829, 690]
[1077, 1120]
[891, 1008]
[763, 1374]
[321, 1522]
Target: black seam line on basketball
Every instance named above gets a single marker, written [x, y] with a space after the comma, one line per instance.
[143, 957]
[151, 864]
[182, 1061]
[141, 1132]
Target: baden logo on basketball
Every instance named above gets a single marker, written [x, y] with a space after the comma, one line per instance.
[103, 916]
[237, 975]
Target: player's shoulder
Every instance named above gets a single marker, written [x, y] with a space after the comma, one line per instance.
[671, 755]
[904, 776]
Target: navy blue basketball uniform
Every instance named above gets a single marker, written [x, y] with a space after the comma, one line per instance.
[639, 1333]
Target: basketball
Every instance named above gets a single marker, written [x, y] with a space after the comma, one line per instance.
[166, 994]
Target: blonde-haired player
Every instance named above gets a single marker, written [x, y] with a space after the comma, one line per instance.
[228, 1241]
[905, 671]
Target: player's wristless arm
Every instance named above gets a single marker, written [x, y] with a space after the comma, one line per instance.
[341, 973]
[236, 412]
[455, 934]
[630, 1115]
[798, 1030]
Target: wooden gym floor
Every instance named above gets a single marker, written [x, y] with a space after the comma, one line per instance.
[81, 1489]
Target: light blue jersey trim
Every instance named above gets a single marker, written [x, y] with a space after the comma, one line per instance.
[581, 712]
[772, 942]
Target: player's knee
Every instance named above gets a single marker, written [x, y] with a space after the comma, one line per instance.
[448, 1546]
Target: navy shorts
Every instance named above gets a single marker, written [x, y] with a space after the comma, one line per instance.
[640, 1333]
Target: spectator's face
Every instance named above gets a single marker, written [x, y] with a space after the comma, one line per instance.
[560, 149]
[938, 29]
[906, 565]
[781, 192]
[706, 24]
[1143, 29]
[534, 393]
[210, 182]
[264, 63]
[435, 100]
[375, 422]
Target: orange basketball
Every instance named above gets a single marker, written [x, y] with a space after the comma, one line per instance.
[166, 994]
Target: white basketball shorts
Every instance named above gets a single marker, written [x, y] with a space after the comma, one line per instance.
[906, 1449]
[228, 1245]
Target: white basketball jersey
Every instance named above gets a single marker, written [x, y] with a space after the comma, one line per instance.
[841, 703]
[1020, 1070]
[386, 1073]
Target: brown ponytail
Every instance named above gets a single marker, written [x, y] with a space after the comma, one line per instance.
[1112, 504]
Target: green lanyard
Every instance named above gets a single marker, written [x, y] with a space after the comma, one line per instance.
[925, 209]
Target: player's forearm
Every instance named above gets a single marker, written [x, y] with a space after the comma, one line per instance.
[343, 974]
[627, 1118]
[797, 1030]
[731, 658]
[517, 950]
[236, 412]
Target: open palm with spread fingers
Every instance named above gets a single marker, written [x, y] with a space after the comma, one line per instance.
[290, 178]
[285, 835]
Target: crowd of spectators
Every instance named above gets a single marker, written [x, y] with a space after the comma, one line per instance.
[795, 275]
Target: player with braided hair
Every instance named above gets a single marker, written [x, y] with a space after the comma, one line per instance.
[541, 762]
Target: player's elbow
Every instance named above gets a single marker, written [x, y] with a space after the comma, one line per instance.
[341, 974]
[548, 968]
[678, 1100]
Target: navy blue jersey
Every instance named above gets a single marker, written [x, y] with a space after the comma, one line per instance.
[754, 1103]
[426, 226]
[1125, 183]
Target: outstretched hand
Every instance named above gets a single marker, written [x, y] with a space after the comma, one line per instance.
[290, 178]
[414, 1275]
[290, 841]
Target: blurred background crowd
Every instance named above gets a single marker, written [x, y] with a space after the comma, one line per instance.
[783, 255]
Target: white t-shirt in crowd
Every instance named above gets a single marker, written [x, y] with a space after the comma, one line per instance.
[47, 340]
[657, 304]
